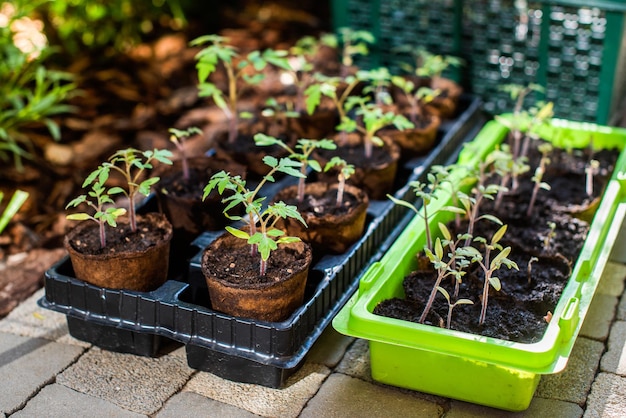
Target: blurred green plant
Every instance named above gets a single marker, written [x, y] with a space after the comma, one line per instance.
[30, 93]
[78, 25]
[14, 205]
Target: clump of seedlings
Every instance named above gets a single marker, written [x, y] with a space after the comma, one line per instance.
[132, 164]
[545, 150]
[261, 233]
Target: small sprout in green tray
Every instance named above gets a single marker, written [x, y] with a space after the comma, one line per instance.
[264, 237]
[490, 265]
[426, 192]
[590, 171]
[451, 305]
[345, 171]
[545, 150]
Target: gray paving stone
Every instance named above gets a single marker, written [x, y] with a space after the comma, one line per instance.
[260, 400]
[538, 408]
[621, 309]
[607, 396]
[356, 361]
[330, 348]
[612, 282]
[29, 364]
[599, 317]
[192, 405]
[345, 396]
[613, 360]
[573, 384]
[139, 384]
[59, 401]
[30, 320]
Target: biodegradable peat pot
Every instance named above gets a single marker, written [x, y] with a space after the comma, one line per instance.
[445, 104]
[329, 229]
[142, 269]
[244, 151]
[472, 367]
[235, 287]
[375, 175]
[317, 125]
[181, 200]
[416, 141]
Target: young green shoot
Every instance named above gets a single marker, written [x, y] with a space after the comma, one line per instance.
[425, 63]
[490, 265]
[529, 268]
[457, 257]
[547, 240]
[451, 305]
[178, 137]
[345, 172]
[98, 198]
[264, 237]
[301, 152]
[591, 170]
[373, 120]
[132, 164]
[351, 43]
[427, 192]
[379, 79]
[247, 69]
[14, 205]
[415, 97]
[545, 150]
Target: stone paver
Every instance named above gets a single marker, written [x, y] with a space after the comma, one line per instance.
[59, 401]
[356, 362]
[614, 360]
[30, 320]
[269, 402]
[607, 397]
[599, 317]
[345, 396]
[192, 405]
[573, 384]
[329, 348]
[29, 364]
[538, 408]
[139, 384]
[612, 282]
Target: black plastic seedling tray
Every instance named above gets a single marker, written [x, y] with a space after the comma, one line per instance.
[240, 349]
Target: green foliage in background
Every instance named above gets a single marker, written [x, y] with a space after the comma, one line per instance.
[79, 25]
[30, 93]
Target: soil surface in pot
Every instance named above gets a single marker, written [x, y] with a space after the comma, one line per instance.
[545, 255]
[119, 239]
[325, 204]
[236, 265]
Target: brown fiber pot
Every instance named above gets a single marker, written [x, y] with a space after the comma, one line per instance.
[272, 300]
[142, 271]
[416, 141]
[327, 232]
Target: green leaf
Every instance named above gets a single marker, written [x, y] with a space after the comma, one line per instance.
[495, 283]
[498, 234]
[78, 217]
[238, 233]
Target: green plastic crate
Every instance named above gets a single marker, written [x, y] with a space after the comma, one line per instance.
[576, 49]
[468, 367]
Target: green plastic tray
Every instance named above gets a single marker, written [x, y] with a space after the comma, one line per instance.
[465, 366]
[576, 49]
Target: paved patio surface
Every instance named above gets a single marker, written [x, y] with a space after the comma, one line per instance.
[47, 373]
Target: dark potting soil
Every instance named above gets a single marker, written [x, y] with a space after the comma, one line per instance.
[520, 311]
[120, 239]
[355, 155]
[325, 204]
[238, 266]
[192, 188]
